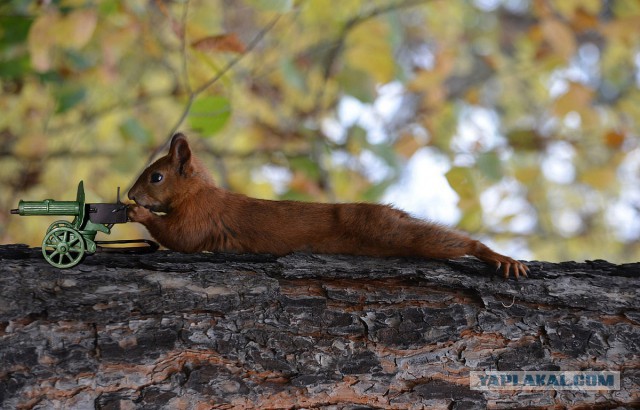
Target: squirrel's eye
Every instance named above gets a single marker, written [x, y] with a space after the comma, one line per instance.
[156, 177]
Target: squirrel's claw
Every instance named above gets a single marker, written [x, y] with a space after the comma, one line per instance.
[517, 267]
[508, 265]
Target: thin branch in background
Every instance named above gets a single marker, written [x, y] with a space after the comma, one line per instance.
[256, 40]
[355, 21]
[330, 62]
[193, 94]
[183, 47]
[90, 117]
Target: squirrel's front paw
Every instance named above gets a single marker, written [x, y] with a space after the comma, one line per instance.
[137, 213]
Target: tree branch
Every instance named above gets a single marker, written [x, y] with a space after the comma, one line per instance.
[216, 77]
[194, 93]
[257, 331]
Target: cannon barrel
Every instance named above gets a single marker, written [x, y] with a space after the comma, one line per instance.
[47, 207]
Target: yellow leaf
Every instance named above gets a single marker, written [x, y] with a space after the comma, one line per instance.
[570, 8]
[302, 184]
[407, 145]
[589, 117]
[76, 29]
[51, 29]
[32, 146]
[446, 61]
[559, 36]
[591, 6]
[623, 28]
[473, 96]
[577, 97]
[425, 80]
[527, 175]
[40, 41]
[462, 181]
[471, 220]
[583, 21]
[368, 49]
[599, 178]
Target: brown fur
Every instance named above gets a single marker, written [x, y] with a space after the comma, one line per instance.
[199, 216]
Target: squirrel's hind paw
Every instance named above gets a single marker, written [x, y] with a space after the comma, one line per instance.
[511, 265]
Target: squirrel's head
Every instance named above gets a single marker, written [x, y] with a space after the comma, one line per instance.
[169, 179]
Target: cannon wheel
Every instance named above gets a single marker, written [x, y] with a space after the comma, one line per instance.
[63, 247]
[59, 224]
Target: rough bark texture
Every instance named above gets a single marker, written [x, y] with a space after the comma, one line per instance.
[306, 331]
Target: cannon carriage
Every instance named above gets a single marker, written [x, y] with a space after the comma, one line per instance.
[66, 243]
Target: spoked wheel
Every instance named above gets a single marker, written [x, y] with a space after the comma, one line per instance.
[63, 247]
[59, 224]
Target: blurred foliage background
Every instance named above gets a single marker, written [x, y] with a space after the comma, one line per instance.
[515, 120]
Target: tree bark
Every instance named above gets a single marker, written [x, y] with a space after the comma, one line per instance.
[306, 331]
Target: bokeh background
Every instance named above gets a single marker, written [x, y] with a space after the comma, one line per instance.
[515, 120]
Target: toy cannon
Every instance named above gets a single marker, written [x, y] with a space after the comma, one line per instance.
[66, 243]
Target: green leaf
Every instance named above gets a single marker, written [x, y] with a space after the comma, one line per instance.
[471, 220]
[291, 74]
[131, 129]
[462, 181]
[14, 29]
[523, 139]
[386, 153]
[490, 166]
[126, 161]
[18, 7]
[107, 7]
[280, 6]
[79, 61]
[358, 84]
[357, 139]
[209, 114]
[69, 96]
[51, 76]
[15, 68]
[376, 191]
[307, 166]
[292, 195]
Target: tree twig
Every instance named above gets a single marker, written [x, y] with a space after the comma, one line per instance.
[183, 46]
[193, 94]
[329, 63]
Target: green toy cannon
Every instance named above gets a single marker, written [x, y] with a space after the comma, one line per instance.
[66, 243]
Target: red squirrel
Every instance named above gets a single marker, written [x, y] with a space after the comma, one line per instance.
[200, 216]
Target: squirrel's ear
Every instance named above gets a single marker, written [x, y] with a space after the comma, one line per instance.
[176, 140]
[180, 154]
